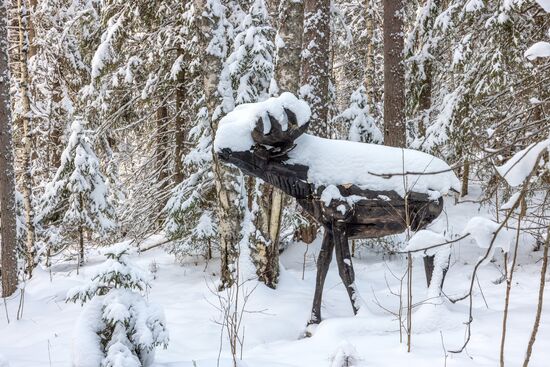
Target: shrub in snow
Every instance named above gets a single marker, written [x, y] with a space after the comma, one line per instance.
[77, 199]
[345, 356]
[118, 327]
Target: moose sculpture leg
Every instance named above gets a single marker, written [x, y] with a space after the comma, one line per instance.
[323, 263]
[336, 239]
[343, 259]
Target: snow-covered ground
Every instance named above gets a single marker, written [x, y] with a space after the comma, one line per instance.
[275, 326]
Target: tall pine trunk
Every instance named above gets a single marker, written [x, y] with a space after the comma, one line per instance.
[395, 133]
[291, 28]
[25, 121]
[7, 173]
[316, 63]
[369, 62]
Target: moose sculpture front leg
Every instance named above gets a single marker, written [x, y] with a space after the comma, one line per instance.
[343, 259]
[323, 263]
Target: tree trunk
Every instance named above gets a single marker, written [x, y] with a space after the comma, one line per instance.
[25, 121]
[287, 69]
[227, 210]
[316, 63]
[287, 74]
[395, 133]
[265, 248]
[181, 129]
[162, 153]
[7, 174]
[369, 62]
[81, 235]
[162, 156]
[56, 130]
[425, 98]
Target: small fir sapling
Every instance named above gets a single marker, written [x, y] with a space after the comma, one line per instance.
[362, 126]
[78, 196]
[251, 64]
[118, 327]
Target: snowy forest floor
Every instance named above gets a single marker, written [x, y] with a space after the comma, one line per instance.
[275, 325]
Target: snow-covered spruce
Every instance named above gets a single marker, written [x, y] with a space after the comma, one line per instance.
[338, 162]
[250, 66]
[362, 126]
[78, 199]
[118, 327]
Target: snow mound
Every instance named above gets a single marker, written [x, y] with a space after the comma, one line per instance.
[234, 131]
[483, 230]
[345, 355]
[545, 4]
[539, 49]
[423, 240]
[517, 168]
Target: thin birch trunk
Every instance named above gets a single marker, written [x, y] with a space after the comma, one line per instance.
[228, 210]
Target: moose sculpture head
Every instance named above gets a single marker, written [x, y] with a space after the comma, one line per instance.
[354, 190]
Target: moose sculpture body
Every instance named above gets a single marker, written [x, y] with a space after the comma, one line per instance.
[354, 190]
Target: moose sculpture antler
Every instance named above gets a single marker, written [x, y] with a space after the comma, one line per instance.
[354, 190]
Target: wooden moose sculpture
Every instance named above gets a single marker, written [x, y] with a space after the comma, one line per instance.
[354, 190]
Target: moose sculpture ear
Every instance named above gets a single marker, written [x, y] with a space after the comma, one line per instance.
[280, 134]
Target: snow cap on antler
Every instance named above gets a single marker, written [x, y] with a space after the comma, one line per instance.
[276, 121]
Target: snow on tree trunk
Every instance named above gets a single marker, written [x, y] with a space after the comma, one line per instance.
[316, 63]
[8, 214]
[394, 75]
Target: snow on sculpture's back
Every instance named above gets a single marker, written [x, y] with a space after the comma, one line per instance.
[354, 190]
[337, 162]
